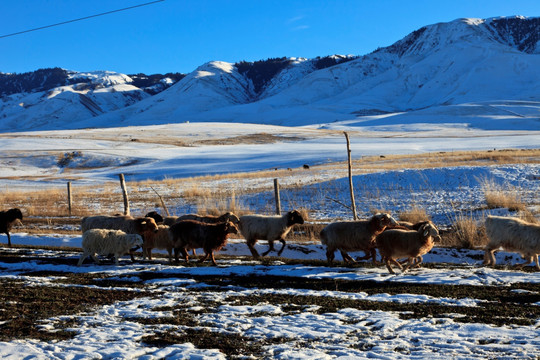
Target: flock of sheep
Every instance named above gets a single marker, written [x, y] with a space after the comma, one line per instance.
[118, 235]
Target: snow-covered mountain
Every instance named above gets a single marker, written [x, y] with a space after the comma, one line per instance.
[439, 67]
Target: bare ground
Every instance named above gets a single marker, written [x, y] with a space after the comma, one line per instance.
[23, 308]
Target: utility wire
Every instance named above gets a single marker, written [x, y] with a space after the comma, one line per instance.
[79, 19]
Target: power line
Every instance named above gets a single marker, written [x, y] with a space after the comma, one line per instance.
[79, 19]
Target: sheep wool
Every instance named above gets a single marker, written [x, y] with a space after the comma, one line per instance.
[271, 228]
[513, 235]
[395, 244]
[105, 242]
[354, 236]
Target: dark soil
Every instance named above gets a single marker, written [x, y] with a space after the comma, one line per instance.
[23, 307]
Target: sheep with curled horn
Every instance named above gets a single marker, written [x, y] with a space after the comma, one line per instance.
[395, 244]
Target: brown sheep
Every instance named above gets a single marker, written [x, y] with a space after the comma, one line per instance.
[354, 236]
[8, 219]
[191, 234]
[157, 240]
[396, 243]
[207, 219]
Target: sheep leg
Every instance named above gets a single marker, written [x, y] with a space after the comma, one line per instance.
[149, 251]
[82, 258]
[251, 246]
[412, 262]
[330, 256]
[395, 262]
[367, 255]
[8, 238]
[270, 247]
[346, 257]
[489, 257]
[213, 259]
[537, 264]
[387, 261]
[202, 259]
[95, 258]
[374, 256]
[184, 254]
[283, 247]
[132, 253]
[170, 255]
[529, 259]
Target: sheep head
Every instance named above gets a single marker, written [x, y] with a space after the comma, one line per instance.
[429, 230]
[155, 215]
[135, 240]
[145, 224]
[230, 228]
[14, 214]
[294, 217]
[384, 220]
[229, 216]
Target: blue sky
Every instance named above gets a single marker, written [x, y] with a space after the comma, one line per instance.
[180, 35]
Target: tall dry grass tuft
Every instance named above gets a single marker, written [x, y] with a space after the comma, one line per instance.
[499, 196]
[414, 215]
[466, 232]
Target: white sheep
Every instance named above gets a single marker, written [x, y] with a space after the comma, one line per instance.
[354, 236]
[127, 224]
[105, 242]
[271, 228]
[514, 235]
[395, 244]
[158, 240]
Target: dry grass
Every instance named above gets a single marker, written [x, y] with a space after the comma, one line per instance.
[502, 196]
[216, 199]
[466, 232]
[445, 159]
[414, 215]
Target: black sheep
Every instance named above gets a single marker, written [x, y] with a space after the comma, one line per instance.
[7, 219]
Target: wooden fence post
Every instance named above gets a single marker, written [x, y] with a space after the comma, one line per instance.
[69, 196]
[353, 204]
[124, 193]
[276, 195]
[162, 202]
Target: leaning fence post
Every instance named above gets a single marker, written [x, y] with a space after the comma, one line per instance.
[124, 193]
[276, 195]
[353, 204]
[69, 196]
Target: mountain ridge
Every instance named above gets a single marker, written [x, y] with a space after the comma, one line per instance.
[465, 60]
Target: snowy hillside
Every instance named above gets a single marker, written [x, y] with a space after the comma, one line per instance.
[435, 70]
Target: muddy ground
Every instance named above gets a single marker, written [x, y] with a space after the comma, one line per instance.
[23, 308]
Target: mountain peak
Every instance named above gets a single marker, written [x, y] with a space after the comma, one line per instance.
[463, 61]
